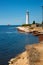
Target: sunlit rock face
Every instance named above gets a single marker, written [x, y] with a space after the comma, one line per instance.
[35, 54]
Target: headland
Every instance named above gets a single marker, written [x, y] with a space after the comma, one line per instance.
[33, 55]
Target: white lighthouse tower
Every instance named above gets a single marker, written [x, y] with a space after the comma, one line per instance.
[27, 17]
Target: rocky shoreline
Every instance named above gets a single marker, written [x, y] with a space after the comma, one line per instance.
[30, 29]
[33, 55]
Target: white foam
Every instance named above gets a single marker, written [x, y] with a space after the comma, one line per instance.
[9, 32]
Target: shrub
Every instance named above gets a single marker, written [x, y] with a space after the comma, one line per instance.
[33, 22]
[26, 25]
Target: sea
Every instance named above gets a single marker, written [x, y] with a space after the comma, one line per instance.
[13, 42]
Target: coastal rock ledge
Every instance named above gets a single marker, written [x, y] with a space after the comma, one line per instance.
[31, 29]
[32, 56]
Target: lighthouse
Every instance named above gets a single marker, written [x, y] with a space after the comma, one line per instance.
[27, 17]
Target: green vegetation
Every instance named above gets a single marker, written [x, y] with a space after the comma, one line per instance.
[42, 22]
[26, 25]
[33, 22]
[37, 24]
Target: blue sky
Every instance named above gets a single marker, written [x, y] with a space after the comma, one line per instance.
[13, 11]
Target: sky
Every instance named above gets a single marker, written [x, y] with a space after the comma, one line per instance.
[13, 12]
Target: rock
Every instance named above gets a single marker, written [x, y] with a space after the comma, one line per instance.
[34, 55]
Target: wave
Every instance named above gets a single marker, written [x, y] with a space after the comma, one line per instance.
[11, 32]
[8, 32]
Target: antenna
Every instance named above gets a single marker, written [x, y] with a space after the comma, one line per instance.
[42, 13]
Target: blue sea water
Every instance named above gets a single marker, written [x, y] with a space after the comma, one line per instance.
[13, 42]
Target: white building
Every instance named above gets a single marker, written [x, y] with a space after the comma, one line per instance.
[27, 17]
